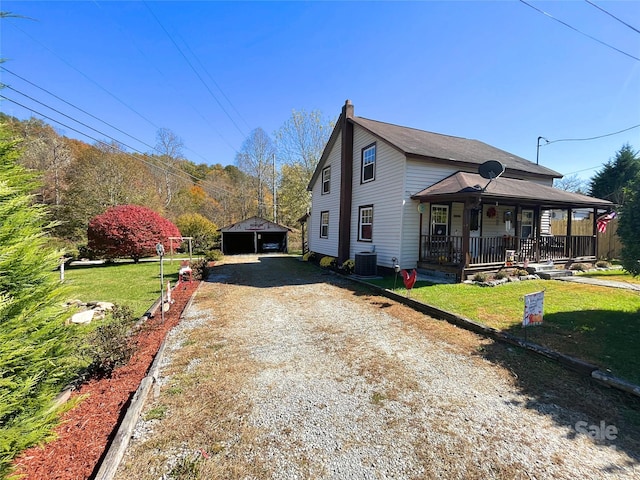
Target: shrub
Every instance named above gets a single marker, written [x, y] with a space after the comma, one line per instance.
[309, 256]
[35, 346]
[348, 266]
[198, 269]
[110, 345]
[579, 267]
[129, 231]
[603, 264]
[500, 275]
[214, 255]
[480, 277]
[204, 232]
[328, 262]
[522, 273]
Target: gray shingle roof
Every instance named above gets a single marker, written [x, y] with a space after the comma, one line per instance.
[411, 141]
[463, 184]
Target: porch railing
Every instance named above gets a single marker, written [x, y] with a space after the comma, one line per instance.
[447, 249]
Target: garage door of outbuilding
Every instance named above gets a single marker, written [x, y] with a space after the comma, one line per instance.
[254, 235]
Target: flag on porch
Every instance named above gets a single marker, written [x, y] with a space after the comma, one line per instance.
[603, 220]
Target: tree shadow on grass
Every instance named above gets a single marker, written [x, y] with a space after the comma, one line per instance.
[569, 397]
[566, 396]
[608, 339]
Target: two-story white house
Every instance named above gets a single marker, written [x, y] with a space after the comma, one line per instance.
[418, 197]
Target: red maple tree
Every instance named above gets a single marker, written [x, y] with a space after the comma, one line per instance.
[129, 231]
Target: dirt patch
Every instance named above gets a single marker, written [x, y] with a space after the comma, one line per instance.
[86, 430]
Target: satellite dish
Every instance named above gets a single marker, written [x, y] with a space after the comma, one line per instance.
[491, 169]
[422, 208]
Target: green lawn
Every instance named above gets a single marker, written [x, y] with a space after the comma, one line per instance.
[124, 283]
[597, 324]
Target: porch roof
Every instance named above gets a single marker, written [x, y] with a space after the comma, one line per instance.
[463, 186]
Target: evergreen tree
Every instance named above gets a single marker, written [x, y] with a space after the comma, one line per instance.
[629, 228]
[34, 343]
[610, 182]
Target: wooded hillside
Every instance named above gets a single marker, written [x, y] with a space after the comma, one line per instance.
[82, 180]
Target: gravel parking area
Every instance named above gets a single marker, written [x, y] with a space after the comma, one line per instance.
[281, 371]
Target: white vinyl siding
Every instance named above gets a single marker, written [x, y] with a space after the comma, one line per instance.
[385, 195]
[420, 174]
[326, 203]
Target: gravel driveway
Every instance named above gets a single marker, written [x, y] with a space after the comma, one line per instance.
[279, 370]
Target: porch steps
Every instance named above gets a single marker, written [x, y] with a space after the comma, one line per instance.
[435, 276]
[548, 271]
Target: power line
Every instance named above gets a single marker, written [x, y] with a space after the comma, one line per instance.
[214, 82]
[70, 104]
[88, 113]
[612, 15]
[579, 31]
[591, 138]
[88, 78]
[194, 70]
[179, 92]
[182, 174]
[106, 90]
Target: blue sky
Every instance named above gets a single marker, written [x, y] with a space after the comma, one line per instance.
[499, 72]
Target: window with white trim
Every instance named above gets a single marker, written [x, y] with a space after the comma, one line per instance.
[526, 226]
[326, 180]
[368, 166]
[324, 224]
[440, 220]
[365, 224]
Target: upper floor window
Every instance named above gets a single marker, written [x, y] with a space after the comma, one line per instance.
[326, 180]
[368, 163]
[365, 227]
[324, 225]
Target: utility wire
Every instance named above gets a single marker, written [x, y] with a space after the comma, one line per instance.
[194, 70]
[590, 138]
[70, 104]
[129, 107]
[87, 77]
[168, 82]
[215, 83]
[98, 131]
[612, 15]
[181, 174]
[579, 31]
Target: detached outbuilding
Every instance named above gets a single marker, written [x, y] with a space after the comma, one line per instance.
[254, 235]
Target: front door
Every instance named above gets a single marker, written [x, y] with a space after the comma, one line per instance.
[475, 227]
[439, 220]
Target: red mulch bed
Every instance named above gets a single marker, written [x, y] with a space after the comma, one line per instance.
[86, 430]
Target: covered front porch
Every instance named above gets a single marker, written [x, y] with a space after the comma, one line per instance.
[467, 228]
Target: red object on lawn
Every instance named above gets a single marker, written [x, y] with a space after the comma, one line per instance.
[409, 279]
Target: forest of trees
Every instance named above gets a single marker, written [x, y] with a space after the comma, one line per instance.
[81, 180]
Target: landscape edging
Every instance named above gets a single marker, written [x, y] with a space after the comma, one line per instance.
[117, 448]
[575, 364]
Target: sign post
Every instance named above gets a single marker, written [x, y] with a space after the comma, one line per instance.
[160, 252]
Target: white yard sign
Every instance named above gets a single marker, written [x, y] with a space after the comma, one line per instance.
[533, 308]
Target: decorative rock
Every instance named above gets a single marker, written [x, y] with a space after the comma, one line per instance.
[75, 302]
[104, 306]
[82, 317]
